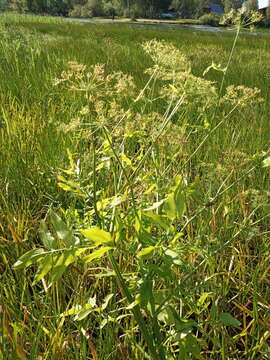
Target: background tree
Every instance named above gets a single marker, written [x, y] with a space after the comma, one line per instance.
[267, 18]
[228, 5]
[252, 5]
[186, 8]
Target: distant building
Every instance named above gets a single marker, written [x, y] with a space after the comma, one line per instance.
[263, 4]
[212, 8]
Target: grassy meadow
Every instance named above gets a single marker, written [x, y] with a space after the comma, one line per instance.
[138, 196]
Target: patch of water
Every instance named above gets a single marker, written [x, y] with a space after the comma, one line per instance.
[163, 25]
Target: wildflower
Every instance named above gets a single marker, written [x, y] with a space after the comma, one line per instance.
[72, 126]
[172, 66]
[75, 67]
[241, 18]
[85, 110]
[242, 96]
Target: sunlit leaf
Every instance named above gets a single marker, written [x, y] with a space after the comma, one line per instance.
[116, 200]
[44, 267]
[125, 159]
[202, 298]
[266, 162]
[97, 254]
[74, 310]
[149, 190]
[175, 258]
[106, 301]
[47, 239]
[146, 251]
[97, 236]
[62, 230]
[175, 204]
[63, 261]
[156, 205]
[28, 258]
[83, 313]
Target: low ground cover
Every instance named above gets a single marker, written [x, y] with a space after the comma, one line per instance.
[140, 194]
[151, 21]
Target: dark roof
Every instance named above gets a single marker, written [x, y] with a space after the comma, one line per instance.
[215, 8]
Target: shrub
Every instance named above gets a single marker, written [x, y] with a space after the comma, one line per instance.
[210, 19]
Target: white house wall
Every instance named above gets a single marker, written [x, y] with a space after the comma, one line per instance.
[263, 3]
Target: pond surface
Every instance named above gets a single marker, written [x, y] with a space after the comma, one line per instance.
[163, 25]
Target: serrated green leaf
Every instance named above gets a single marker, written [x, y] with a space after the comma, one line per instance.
[179, 199]
[28, 259]
[97, 254]
[97, 236]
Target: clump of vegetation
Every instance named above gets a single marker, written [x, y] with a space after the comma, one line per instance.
[136, 207]
[266, 20]
[210, 19]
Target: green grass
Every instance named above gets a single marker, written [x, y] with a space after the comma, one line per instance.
[220, 262]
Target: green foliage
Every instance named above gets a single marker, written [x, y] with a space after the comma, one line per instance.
[186, 9]
[252, 5]
[210, 19]
[158, 242]
[62, 249]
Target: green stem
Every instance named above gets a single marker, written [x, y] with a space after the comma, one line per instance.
[124, 173]
[95, 181]
[136, 310]
[156, 327]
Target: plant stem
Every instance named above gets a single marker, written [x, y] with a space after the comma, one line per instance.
[136, 310]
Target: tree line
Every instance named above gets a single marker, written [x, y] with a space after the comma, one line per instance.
[128, 8]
